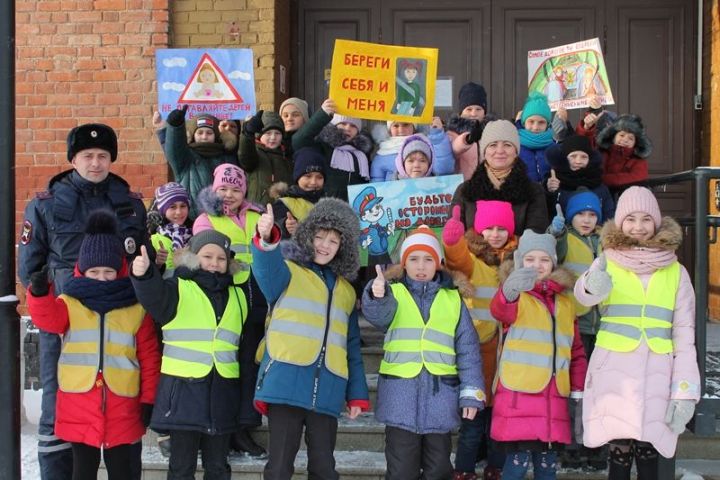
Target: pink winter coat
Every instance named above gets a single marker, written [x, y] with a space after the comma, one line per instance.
[627, 394]
[543, 416]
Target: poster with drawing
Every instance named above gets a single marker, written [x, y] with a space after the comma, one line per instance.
[219, 82]
[388, 211]
[570, 75]
[383, 82]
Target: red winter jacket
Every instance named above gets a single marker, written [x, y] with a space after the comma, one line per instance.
[542, 416]
[79, 416]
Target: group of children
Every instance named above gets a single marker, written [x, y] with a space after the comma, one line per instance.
[484, 329]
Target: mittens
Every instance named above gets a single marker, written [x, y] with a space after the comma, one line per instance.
[39, 283]
[678, 414]
[254, 125]
[597, 280]
[177, 117]
[475, 133]
[454, 228]
[520, 280]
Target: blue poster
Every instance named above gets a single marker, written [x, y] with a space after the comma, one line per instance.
[219, 82]
[388, 211]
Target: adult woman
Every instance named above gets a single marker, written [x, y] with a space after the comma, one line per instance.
[501, 176]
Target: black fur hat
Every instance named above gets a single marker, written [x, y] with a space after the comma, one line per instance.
[626, 123]
[101, 246]
[92, 135]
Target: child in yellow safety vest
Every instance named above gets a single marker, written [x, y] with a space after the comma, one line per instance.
[225, 208]
[431, 372]
[542, 363]
[477, 254]
[169, 224]
[201, 314]
[643, 379]
[109, 364]
[311, 365]
[578, 244]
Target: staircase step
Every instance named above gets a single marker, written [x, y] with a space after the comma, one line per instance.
[363, 465]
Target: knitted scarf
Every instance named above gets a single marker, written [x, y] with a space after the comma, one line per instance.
[535, 141]
[179, 234]
[642, 260]
[497, 176]
[589, 177]
[342, 159]
[207, 149]
[99, 296]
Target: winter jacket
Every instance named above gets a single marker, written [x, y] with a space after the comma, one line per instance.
[426, 403]
[208, 404]
[263, 167]
[55, 221]
[467, 157]
[621, 167]
[527, 198]
[464, 257]
[590, 177]
[99, 417]
[193, 164]
[287, 384]
[382, 167]
[588, 323]
[627, 393]
[542, 416]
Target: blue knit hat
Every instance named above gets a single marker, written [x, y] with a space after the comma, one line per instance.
[583, 200]
[536, 104]
[101, 246]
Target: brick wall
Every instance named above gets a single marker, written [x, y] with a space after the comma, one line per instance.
[81, 61]
[711, 122]
[227, 24]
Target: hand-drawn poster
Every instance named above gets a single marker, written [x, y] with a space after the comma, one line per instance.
[383, 82]
[219, 82]
[388, 211]
[570, 75]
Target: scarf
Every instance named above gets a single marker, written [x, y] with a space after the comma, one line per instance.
[589, 177]
[391, 146]
[497, 176]
[506, 250]
[535, 141]
[101, 297]
[343, 158]
[179, 234]
[642, 260]
[207, 149]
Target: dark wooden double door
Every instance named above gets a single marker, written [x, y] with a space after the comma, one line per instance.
[648, 47]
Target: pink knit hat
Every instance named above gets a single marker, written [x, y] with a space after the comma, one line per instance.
[637, 199]
[228, 174]
[489, 213]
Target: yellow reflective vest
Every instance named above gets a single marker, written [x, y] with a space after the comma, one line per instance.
[194, 340]
[411, 344]
[308, 321]
[536, 348]
[80, 356]
[299, 207]
[155, 239]
[485, 283]
[631, 313]
[240, 240]
[578, 259]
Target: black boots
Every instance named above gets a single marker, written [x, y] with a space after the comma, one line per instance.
[243, 443]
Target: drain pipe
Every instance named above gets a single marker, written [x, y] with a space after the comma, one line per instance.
[698, 98]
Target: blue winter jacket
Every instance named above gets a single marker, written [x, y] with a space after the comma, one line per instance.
[287, 384]
[426, 403]
[382, 167]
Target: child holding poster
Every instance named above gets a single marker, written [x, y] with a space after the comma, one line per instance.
[477, 254]
[425, 386]
[345, 147]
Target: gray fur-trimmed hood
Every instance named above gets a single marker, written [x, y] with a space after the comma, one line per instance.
[186, 258]
[334, 137]
[628, 123]
[328, 214]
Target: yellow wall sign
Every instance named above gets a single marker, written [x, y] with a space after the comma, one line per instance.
[383, 82]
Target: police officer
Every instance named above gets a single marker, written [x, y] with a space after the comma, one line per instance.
[52, 232]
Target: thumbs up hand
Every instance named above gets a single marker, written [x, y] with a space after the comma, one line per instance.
[553, 183]
[141, 263]
[557, 227]
[161, 255]
[291, 224]
[378, 285]
[454, 228]
[266, 223]
[597, 280]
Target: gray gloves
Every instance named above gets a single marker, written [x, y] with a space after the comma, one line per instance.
[520, 280]
[678, 414]
[597, 280]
